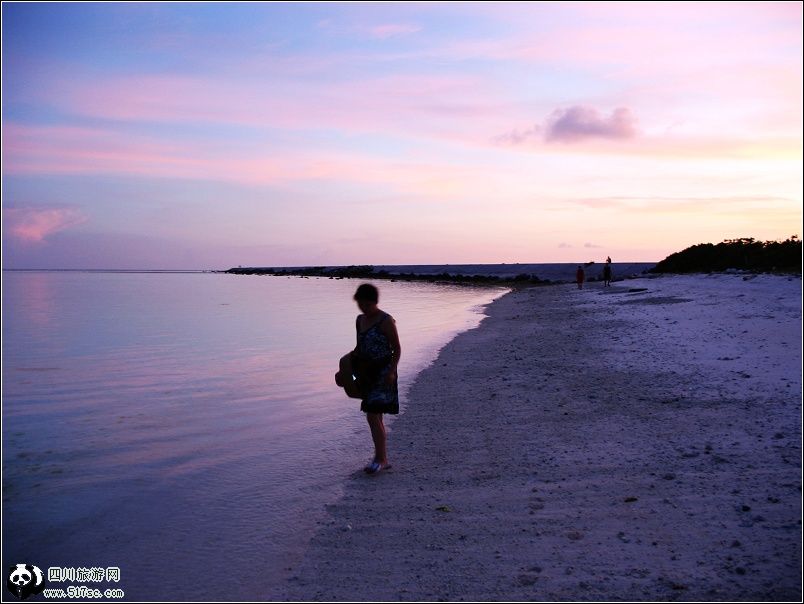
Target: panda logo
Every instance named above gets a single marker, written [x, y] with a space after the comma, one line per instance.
[25, 580]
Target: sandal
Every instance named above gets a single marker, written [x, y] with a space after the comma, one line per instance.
[376, 466]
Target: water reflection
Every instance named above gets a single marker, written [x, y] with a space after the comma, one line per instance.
[188, 417]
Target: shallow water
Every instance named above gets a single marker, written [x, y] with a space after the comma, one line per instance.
[186, 427]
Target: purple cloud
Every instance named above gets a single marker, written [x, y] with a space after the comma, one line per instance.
[575, 124]
[581, 122]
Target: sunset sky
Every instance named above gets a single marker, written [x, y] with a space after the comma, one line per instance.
[206, 136]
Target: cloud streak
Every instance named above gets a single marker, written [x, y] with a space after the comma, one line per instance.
[389, 30]
[32, 150]
[519, 137]
[698, 204]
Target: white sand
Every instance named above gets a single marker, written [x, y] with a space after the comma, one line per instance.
[585, 445]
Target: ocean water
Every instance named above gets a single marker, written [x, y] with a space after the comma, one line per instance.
[186, 428]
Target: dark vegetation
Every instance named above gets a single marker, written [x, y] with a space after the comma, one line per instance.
[740, 254]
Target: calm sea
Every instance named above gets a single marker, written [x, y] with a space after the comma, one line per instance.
[186, 428]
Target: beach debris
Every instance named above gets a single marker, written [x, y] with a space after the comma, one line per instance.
[630, 499]
[443, 508]
[527, 580]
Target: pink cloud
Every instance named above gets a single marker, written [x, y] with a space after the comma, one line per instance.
[33, 224]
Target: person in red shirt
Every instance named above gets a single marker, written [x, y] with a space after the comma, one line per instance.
[579, 276]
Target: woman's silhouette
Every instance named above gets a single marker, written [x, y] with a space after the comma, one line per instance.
[369, 372]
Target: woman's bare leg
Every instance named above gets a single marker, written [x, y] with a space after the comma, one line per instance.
[344, 377]
[379, 436]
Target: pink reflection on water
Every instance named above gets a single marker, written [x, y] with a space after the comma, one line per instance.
[35, 302]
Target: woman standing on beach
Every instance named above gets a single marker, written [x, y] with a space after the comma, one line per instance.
[579, 276]
[373, 363]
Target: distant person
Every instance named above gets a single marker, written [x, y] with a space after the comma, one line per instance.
[369, 372]
[607, 273]
[579, 276]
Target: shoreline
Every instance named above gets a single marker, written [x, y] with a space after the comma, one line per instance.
[593, 444]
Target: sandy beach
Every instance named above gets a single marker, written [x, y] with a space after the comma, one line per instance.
[595, 444]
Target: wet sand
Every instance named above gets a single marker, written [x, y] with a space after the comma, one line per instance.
[588, 445]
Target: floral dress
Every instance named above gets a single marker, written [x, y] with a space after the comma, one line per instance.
[371, 362]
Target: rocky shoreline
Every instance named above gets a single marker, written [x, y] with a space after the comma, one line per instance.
[512, 275]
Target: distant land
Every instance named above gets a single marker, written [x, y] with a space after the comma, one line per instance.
[494, 274]
[742, 254]
[745, 253]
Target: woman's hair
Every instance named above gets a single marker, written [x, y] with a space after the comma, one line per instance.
[367, 292]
